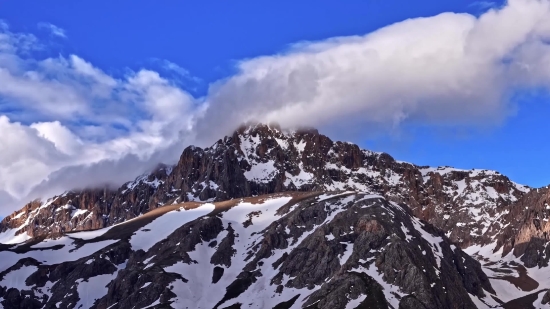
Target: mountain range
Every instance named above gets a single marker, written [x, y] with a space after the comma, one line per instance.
[272, 218]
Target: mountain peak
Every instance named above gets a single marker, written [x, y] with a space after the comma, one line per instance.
[259, 162]
[271, 129]
[262, 159]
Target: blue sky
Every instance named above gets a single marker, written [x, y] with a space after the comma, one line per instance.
[111, 60]
[205, 37]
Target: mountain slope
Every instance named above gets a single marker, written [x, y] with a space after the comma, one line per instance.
[297, 250]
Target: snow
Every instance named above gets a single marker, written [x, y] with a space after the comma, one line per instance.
[522, 188]
[79, 212]
[538, 303]
[327, 196]
[302, 178]
[48, 243]
[19, 215]
[212, 185]
[45, 205]
[92, 289]
[237, 215]
[282, 143]
[433, 241]
[8, 237]
[164, 225]
[337, 207]
[504, 289]
[157, 302]
[478, 195]
[390, 291]
[149, 260]
[345, 256]
[86, 235]
[144, 179]
[478, 303]
[301, 146]
[354, 303]
[261, 171]
[442, 170]
[492, 192]
[262, 293]
[461, 186]
[67, 253]
[67, 206]
[248, 145]
[16, 279]
[46, 289]
[406, 232]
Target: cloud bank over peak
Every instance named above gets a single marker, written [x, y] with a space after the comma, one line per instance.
[66, 123]
[447, 69]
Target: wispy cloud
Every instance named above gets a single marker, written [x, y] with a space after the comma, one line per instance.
[485, 5]
[3, 25]
[175, 68]
[53, 29]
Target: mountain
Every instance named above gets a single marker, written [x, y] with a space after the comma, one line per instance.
[309, 249]
[482, 235]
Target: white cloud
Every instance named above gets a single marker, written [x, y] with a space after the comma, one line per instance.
[168, 65]
[80, 126]
[62, 138]
[53, 29]
[450, 68]
[486, 5]
[85, 69]
[179, 73]
[71, 116]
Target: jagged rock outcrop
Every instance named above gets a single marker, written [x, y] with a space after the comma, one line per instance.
[527, 229]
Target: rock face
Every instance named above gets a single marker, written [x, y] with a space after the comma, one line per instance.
[527, 229]
[289, 250]
[260, 159]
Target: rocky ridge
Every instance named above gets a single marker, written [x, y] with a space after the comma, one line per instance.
[501, 226]
[259, 159]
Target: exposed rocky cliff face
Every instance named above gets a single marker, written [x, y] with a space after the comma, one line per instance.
[527, 229]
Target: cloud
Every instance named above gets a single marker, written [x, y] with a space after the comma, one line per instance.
[53, 29]
[167, 65]
[68, 123]
[442, 70]
[178, 73]
[484, 5]
[62, 115]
